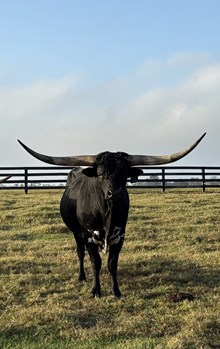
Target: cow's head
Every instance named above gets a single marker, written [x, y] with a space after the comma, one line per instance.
[112, 171]
[114, 168]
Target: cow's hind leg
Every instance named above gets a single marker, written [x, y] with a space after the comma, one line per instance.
[96, 267]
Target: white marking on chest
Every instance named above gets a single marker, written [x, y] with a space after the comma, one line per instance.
[116, 236]
[96, 238]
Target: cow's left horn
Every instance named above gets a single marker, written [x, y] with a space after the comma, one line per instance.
[137, 160]
[82, 160]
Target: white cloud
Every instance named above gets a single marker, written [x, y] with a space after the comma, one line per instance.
[179, 60]
[21, 101]
[59, 118]
[205, 80]
[186, 58]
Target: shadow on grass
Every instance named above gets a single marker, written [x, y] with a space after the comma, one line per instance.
[29, 338]
[18, 332]
[158, 271]
[26, 267]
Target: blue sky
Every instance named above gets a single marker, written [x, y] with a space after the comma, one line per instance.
[87, 76]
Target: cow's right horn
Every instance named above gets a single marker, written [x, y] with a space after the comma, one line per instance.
[81, 160]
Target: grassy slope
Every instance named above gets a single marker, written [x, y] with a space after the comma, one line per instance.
[172, 244]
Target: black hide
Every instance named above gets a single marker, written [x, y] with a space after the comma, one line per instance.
[95, 208]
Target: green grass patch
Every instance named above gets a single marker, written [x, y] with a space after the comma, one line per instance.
[172, 245]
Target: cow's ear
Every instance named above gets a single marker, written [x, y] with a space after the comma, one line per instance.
[89, 172]
[134, 173]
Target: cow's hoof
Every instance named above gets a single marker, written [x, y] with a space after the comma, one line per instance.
[116, 293]
[95, 293]
[82, 277]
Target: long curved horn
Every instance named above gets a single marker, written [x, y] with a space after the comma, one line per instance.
[4, 179]
[83, 160]
[137, 160]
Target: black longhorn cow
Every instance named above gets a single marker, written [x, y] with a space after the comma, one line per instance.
[95, 204]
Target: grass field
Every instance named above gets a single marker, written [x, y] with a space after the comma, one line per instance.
[172, 245]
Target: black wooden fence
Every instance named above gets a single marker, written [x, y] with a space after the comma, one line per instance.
[53, 177]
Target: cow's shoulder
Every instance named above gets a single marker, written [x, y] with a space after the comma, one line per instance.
[75, 173]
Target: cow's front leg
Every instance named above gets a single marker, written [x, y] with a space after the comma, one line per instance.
[114, 251]
[81, 255]
[96, 267]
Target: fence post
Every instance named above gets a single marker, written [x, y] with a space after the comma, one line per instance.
[163, 180]
[203, 179]
[26, 180]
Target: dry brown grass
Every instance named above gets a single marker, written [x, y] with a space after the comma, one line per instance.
[172, 245]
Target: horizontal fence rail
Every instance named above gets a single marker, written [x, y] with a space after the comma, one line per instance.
[53, 177]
